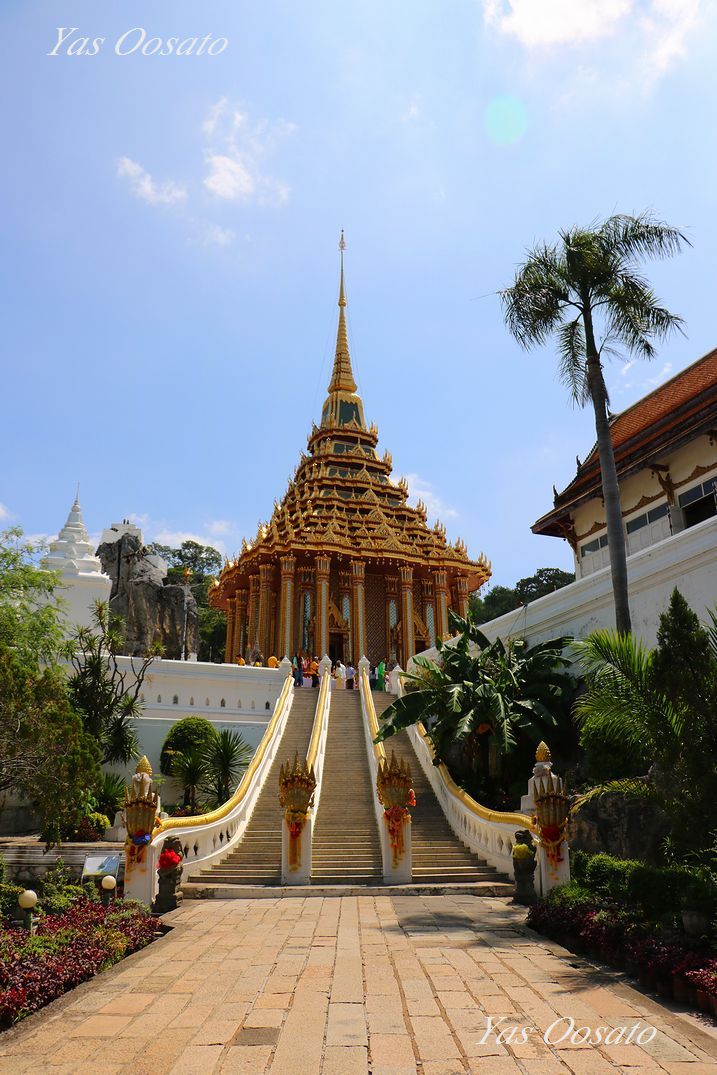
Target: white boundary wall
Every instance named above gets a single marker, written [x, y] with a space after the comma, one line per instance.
[687, 560]
[249, 696]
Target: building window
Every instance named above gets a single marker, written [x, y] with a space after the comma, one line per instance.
[191, 701]
[594, 546]
[159, 699]
[648, 517]
[175, 700]
[699, 503]
[222, 704]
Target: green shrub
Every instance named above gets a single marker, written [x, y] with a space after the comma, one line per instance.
[109, 794]
[578, 865]
[59, 890]
[650, 891]
[187, 735]
[99, 822]
[8, 899]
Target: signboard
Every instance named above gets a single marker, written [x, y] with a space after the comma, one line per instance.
[98, 866]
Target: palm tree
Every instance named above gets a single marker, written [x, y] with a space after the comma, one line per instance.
[225, 759]
[190, 770]
[481, 692]
[587, 290]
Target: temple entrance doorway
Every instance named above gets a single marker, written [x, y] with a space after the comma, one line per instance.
[337, 647]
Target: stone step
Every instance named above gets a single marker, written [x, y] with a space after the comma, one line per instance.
[486, 889]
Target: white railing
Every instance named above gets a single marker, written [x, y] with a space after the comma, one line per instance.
[403, 872]
[315, 755]
[207, 837]
[488, 833]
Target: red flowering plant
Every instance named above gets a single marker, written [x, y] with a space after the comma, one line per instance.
[66, 949]
[704, 978]
[168, 859]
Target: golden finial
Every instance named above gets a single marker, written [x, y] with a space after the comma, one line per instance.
[143, 765]
[543, 752]
[342, 247]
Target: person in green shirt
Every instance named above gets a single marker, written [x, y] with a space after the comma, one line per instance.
[381, 676]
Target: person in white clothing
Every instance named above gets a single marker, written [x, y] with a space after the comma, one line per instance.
[340, 676]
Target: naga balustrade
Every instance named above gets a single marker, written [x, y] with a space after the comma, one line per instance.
[395, 871]
[488, 833]
[300, 791]
[206, 838]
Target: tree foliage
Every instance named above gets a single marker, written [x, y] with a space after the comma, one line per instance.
[189, 733]
[648, 716]
[480, 695]
[30, 607]
[501, 599]
[204, 564]
[107, 698]
[587, 293]
[46, 756]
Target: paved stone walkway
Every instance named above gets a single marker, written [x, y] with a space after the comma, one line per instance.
[387, 985]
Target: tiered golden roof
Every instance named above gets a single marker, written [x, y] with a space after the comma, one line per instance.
[342, 499]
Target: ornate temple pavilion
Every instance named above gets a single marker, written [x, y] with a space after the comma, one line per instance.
[344, 566]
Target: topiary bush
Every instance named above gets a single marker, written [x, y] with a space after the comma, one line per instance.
[187, 735]
[650, 891]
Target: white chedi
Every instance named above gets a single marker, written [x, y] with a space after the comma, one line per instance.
[82, 581]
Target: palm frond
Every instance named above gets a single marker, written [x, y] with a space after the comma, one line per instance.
[630, 787]
[642, 236]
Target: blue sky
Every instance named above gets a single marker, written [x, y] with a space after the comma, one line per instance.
[169, 245]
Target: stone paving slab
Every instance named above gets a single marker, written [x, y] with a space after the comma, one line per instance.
[386, 985]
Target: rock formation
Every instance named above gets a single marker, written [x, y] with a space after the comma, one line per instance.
[153, 610]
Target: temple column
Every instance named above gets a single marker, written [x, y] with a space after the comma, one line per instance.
[440, 580]
[323, 569]
[266, 572]
[391, 616]
[240, 625]
[460, 591]
[253, 616]
[358, 585]
[409, 638]
[229, 646]
[345, 603]
[429, 610]
[286, 605]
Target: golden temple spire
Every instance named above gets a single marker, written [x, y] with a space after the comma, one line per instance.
[342, 405]
[342, 378]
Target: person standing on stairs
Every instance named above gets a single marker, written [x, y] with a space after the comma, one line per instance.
[350, 676]
[314, 672]
[381, 675]
[340, 676]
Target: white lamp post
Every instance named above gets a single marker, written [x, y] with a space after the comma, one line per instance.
[27, 901]
[109, 884]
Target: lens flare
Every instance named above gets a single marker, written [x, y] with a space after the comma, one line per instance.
[505, 120]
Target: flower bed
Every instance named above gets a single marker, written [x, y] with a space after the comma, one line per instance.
[668, 965]
[66, 949]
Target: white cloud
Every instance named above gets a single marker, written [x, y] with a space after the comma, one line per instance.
[419, 489]
[237, 153]
[650, 35]
[228, 177]
[5, 513]
[538, 23]
[215, 235]
[219, 526]
[143, 186]
[413, 112]
[661, 376]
